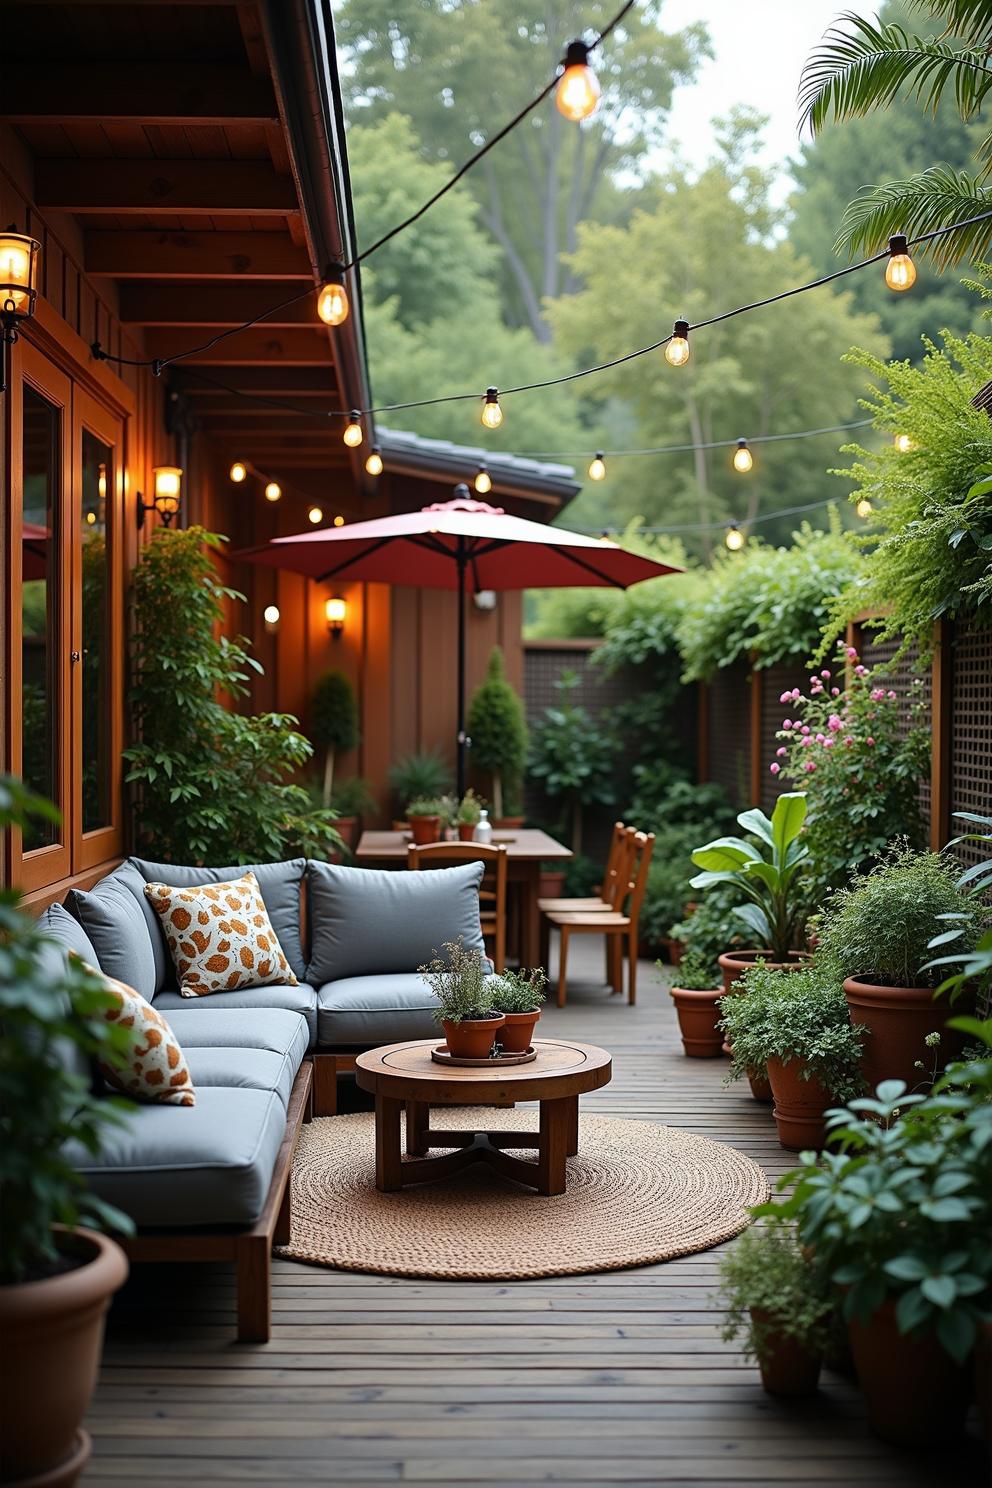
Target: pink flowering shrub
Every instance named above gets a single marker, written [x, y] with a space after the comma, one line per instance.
[847, 748]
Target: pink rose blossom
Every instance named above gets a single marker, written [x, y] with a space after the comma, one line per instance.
[809, 767]
[781, 751]
[787, 723]
[820, 738]
[829, 743]
[851, 654]
[774, 768]
[786, 697]
[804, 729]
[835, 692]
[860, 671]
[891, 696]
[877, 694]
[869, 741]
[807, 741]
[834, 723]
[849, 741]
[796, 694]
[825, 674]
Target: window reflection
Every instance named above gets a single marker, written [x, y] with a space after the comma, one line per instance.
[96, 485]
[39, 600]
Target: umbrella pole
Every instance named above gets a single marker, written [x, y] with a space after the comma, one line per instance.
[463, 740]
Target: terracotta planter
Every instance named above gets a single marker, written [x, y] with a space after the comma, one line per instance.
[347, 826]
[673, 951]
[466, 831]
[799, 1106]
[898, 1020]
[760, 1088]
[517, 1033]
[734, 964]
[472, 1038]
[917, 1396]
[786, 1367]
[425, 829]
[552, 884]
[52, 1334]
[699, 1013]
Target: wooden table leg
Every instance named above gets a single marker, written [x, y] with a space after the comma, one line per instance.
[530, 888]
[572, 1105]
[553, 1148]
[418, 1120]
[388, 1158]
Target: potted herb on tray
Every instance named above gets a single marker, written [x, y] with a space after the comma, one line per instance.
[465, 998]
[518, 995]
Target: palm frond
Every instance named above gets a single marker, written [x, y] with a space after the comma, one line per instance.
[970, 20]
[865, 67]
[937, 197]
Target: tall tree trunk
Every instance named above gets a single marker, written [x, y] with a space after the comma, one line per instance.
[493, 219]
[577, 825]
[328, 775]
[497, 794]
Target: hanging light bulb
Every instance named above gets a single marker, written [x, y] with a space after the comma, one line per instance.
[315, 515]
[492, 414]
[677, 350]
[900, 271]
[374, 462]
[597, 467]
[578, 91]
[483, 481]
[353, 435]
[332, 298]
[238, 472]
[273, 491]
[743, 459]
[91, 519]
[735, 538]
[271, 616]
[863, 507]
[101, 481]
[339, 521]
[903, 443]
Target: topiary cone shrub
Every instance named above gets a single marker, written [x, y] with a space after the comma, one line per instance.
[333, 722]
[498, 730]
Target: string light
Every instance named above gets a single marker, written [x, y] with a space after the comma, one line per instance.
[483, 481]
[91, 519]
[492, 414]
[238, 472]
[315, 515]
[597, 467]
[339, 521]
[903, 443]
[332, 298]
[677, 350]
[353, 435]
[273, 491]
[743, 459]
[734, 538]
[578, 92]
[863, 507]
[101, 482]
[900, 271]
[271, 616]
[373, 464]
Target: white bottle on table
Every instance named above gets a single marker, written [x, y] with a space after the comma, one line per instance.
[483, 828]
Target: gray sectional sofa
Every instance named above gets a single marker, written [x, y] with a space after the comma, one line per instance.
[211, 1181]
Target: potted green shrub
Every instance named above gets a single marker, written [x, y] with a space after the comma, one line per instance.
[352, 799]
[779, 1304]
[796, 1029]
[900, 1218]
[426, 815]
[498, 730]
[415, 776]
[697, 1002]
[878, 930]
[333, 722]
[57, 1272]
[467, 816]
[573, 757]
[518, 995]
[465, 1000]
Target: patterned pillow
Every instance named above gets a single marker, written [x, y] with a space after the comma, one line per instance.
[220, 936]
[156, 1067]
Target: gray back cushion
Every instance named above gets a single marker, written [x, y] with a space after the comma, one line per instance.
[128, 875]
[279, 885]
[115, 924]
[370, 920]
[63, 927]
[58, 923]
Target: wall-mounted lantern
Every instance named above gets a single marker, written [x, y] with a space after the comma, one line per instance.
[335, 613]
[168, 494]
[271, 617]
[18, 290]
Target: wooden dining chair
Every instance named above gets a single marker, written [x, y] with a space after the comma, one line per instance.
[619, 926]
[492, 897]
[606, 895]
[614, 891]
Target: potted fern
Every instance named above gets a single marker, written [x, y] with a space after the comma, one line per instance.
[465, 1000]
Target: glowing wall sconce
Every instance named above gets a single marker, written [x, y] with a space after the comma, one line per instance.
[18, 290]
[271, 617]
[168, 486]
[335, 613]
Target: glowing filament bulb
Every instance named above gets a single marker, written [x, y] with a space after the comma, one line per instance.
[903, 443]
[273, 491]
[578, 91]
[597, 467]
[332, 302]
[863, 507]
[900, 271]
[677, 350]
[315, 515]
[238, 472]
[743, 459]
[492, 414]
[339, 521]
[101, 482]
[373, 464]
[353, 435]
[271, 616]
[483, 481]
[735, 538]
[91, 519]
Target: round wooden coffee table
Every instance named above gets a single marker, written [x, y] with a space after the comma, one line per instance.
[401, 1075]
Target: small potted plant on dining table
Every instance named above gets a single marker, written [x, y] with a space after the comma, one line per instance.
[468, 815]
[465, 1000]
[518, 995]
[426, 815]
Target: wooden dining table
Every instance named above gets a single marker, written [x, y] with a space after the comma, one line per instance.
[526, 849]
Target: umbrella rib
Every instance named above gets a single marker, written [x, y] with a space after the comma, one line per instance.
[373, 547]
[590, 568]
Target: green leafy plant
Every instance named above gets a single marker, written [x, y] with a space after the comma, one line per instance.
[975, 963]
[417, 775]
[711, 928]
[795, 1015]
[212, 785]
[769, 1287]
[770, 876]
[572, 756]
[469, 809]
[881, 927]
[695, 973]
[429, 806]
[333, 721]
[498, 729]
[460, 982]
[353, 797]
[52, 1012]
[518, 991]
[903, 1211]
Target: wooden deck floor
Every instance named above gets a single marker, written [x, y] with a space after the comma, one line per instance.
[615, 1379]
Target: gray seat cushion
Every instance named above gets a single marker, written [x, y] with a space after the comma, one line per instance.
[369, 920]
[278, 883]
[275, 1030]
[298, 999]
[114, 922]
[206, 1164]
[366, 1011]
[243, 1069]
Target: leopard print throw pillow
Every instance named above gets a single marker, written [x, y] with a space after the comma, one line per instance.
[155, 1070]
[220, 936]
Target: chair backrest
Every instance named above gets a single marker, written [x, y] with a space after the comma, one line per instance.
[625, 875]
[611, 873]
[493, 857]
[643, 846]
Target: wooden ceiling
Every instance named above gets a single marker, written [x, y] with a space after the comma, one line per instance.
[161, 129]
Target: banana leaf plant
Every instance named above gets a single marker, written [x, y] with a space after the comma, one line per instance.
[769, 876]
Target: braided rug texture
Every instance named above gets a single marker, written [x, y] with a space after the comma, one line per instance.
[637, 1194]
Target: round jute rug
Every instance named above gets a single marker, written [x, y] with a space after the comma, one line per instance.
[637, 1193]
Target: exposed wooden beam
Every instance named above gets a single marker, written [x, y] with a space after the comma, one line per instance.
[196, 255]
[186, 304]
[187, 187]
[184, 93]
[256, 347]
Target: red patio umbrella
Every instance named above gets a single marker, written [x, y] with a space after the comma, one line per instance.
[451, 545]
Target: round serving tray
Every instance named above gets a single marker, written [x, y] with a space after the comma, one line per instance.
[440, 1055]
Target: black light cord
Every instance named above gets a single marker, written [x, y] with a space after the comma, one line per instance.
[681, 449]
[787, 511]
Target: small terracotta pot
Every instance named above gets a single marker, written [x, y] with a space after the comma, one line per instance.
[552, 884]
[917, 1396]
[760, 1088]
[466, 831]
[52, 1334]
[734, 964]
[425, 829]
[472, 1038]
[787, 1368]
[699, 1013]
[347, 826]
[799, 1106]
[517, 1033]
[898, 1020]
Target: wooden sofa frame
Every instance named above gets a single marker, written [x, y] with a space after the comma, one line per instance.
[249, 1249]
[326, 1068]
